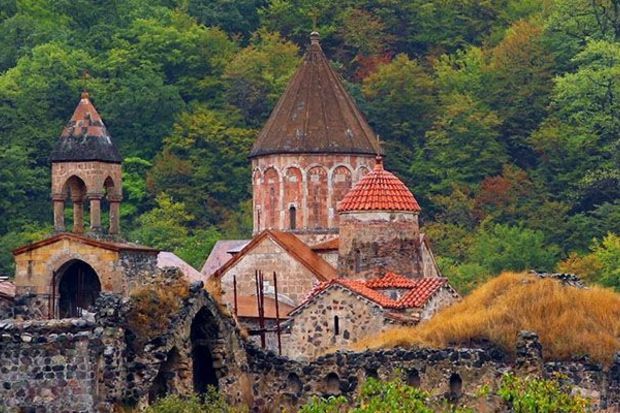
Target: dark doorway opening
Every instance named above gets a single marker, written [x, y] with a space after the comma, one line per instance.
[164, 383]
[204, 332]
[78, 289]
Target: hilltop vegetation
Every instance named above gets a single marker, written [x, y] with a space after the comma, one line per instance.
[569, 321]
[502, 116]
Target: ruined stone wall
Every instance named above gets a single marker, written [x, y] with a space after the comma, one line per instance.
[373, 243]
[294, 279]
[77, 365]
[313, 328]
[290, 384]
[50, 366]
[311, 184]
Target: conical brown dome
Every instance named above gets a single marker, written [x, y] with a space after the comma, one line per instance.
[316, 114]
[85, 137]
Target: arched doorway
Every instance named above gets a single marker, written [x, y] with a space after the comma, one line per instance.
[204, 333]
[78, 287]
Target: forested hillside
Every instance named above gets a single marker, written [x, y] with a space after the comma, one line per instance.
[502, 116]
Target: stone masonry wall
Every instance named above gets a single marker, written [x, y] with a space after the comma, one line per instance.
[312, 330]
[75, 365]
[294, 279]
[373, 243]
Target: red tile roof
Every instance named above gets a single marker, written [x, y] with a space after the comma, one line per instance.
[421, 290]
[291, 244]
[391, 280]
[379, 190]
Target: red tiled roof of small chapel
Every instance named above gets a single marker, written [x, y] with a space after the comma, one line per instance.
[85, 137]
[316, 114]
[379, 190]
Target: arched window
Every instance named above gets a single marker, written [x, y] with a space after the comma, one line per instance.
[336, 325]
[292, 212]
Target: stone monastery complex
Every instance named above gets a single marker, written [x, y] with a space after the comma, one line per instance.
[339, 231]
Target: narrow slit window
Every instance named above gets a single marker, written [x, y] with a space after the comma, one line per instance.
[336, 325]
[292, 211]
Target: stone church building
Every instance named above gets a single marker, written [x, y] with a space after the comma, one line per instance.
[327, 216]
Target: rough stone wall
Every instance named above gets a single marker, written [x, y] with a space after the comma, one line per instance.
[77, 365]
[312, 184]
[6, 307]
[373, 243]
[312, 329]
[49, 366]
[294, 279]
[443, 298]
[289, 384]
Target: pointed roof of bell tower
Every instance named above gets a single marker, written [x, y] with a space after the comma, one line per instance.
[85, 137]
[316, 114]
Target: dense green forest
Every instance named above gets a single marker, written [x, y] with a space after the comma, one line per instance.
[502, 116]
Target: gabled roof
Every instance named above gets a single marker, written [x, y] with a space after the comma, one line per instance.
[316, 114]
[379, 190]
[330, 245]
[85, 137]
[421, 290]
[168, 259]
[112, 246]
[7, 290]
[291, 244]
[220, 254]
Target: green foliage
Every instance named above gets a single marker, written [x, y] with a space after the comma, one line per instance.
[535, 395]
[495, 112]
[212, 402]
[503, 247]
[601, 265]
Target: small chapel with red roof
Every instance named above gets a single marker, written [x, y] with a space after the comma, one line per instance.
[340, 231]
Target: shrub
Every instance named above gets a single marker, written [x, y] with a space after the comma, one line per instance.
[152, 306]
[536, 395]
[212, 402]
[601, 266]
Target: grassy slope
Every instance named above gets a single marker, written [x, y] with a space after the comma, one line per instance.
[569, 321]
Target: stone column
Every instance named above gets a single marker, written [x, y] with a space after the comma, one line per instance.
[78, 215]
[115, 210]
[95, 211]
[59, 212]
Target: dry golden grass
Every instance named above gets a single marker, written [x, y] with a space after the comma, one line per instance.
[569, 321]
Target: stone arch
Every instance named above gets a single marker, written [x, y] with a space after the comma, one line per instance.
[317, 197]
[257, 177]
[332, 383]
[294, 384]
[75, 288]
[341, 183]
[204, 333]
[360, 172]
[76, 190]
[456, 386]
[293, 186]
[413, 378]
[271, 198]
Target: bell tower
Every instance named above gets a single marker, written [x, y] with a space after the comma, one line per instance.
[86, 170]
